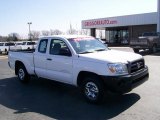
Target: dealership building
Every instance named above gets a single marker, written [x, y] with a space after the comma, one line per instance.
[121, 29]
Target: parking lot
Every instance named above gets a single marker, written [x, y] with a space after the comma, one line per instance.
[46, 100]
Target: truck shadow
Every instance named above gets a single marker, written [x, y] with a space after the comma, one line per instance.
[59, 101]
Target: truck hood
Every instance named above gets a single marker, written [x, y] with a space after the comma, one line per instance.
[111, 56]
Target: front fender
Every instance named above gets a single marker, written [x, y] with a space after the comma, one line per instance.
[88, 66]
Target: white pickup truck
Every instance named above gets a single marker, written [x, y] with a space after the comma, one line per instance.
[82, 61]
[6, 46]
[28, 45]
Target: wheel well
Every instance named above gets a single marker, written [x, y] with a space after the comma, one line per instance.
[17, 64]
[82, 75]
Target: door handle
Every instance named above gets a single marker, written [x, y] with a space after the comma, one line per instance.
[49, 59]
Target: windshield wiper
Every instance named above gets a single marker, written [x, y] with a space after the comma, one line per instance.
[85, 52]
[100, 50]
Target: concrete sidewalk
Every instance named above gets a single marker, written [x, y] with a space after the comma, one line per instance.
[127, 49]
[3, 57]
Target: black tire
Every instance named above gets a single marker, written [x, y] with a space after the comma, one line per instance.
[93, 89]
[6, 52]
[136, 50]
[23, 76]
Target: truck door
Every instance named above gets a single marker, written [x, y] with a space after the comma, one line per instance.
[158, 40]
[40, 58]
[59, 64]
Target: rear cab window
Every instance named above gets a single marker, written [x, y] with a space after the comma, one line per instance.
[43, 46]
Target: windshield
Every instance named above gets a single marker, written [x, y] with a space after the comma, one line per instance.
[9, 44]
[19, 43]
[24, 43]
[87, 45]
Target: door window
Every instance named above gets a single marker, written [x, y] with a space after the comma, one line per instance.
[59, 47]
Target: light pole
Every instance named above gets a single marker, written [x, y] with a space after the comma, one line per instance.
[29, 23]
[158, 12]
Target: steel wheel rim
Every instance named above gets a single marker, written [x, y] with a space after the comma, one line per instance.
[91, 90]
[21, 74]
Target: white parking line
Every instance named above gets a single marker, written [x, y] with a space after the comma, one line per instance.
[3, 57]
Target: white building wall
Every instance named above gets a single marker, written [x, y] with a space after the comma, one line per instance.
[128, 20]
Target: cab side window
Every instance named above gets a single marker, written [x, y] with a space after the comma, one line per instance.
[59, 47]
[43, 46]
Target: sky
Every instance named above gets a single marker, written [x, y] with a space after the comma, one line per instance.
[59, 14]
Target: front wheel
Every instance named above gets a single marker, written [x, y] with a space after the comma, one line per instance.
[23, 76]
[93, 89]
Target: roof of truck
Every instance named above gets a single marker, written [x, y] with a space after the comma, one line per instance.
[67, 36]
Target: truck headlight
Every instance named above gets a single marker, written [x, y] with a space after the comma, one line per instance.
[118, 68]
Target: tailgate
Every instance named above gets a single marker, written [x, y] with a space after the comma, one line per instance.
[139, 42]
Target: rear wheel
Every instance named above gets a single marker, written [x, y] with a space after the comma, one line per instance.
[23, 76]
[93, 89]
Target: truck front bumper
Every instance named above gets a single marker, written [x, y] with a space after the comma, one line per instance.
[124, 84]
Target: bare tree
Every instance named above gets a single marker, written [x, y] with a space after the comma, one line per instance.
[72, 32]
[35, 34]
[84, 32]
[45, 33]
[13, 37]
[1, 38]
[55, 32]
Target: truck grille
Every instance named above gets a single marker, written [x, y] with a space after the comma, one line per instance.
[136, 65]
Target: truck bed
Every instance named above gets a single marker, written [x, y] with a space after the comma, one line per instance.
[25, 56]
[138, 42]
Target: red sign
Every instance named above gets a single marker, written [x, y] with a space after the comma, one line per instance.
[99, 22]
[83, 38]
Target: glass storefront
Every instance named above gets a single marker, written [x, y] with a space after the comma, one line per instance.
[118, 36]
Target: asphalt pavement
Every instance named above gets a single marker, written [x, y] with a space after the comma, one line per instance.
[42, 99]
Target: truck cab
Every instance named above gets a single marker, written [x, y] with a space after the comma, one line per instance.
[148, 40]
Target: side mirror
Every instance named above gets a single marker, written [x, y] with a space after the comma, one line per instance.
[106, 44]
[65, 52]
